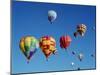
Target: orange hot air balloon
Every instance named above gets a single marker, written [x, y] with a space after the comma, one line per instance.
[47, 45]
[65, 41]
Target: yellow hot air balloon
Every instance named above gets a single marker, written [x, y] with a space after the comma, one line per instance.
[48, 45]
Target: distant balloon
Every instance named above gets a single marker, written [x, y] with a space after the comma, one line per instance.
[92, 55]
[48, 45]
[75, 34]
[78, 68]
[80, 56]
[81, 29]
[65, 41]
[28, 46]
[52, 15]
[72, 63]
[73, 52]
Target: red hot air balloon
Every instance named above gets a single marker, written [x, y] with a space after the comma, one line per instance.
[65, 41]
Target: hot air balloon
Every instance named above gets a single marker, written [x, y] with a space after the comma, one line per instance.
[75, 34]
[81, 29]
[28, 46]
[78, 68]
[72, 64]
[65, 41]
[73, 52]
[52, 15]
[80, 56]
[92, 55]
[47, 45]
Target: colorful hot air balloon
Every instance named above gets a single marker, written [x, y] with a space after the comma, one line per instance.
[81, 29]
[65, 41]
[48, 45]
[52, 15]
[28, 46]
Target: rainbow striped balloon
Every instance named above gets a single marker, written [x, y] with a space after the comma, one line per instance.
[28, 46]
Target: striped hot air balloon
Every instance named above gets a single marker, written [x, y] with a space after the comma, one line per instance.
[28, 46]
[65, 41]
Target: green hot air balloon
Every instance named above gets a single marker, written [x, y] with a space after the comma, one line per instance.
[28, 46]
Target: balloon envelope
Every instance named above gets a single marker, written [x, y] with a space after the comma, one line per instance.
[81, 29]
[92, 55]
[52, 15]
[48, 45]
[75, 34]
[72, 63]
[73, 52]
[78, 68]
[80, 56]
[65, 41]
[28, 46]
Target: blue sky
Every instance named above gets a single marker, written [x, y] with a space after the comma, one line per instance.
[31, 18]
